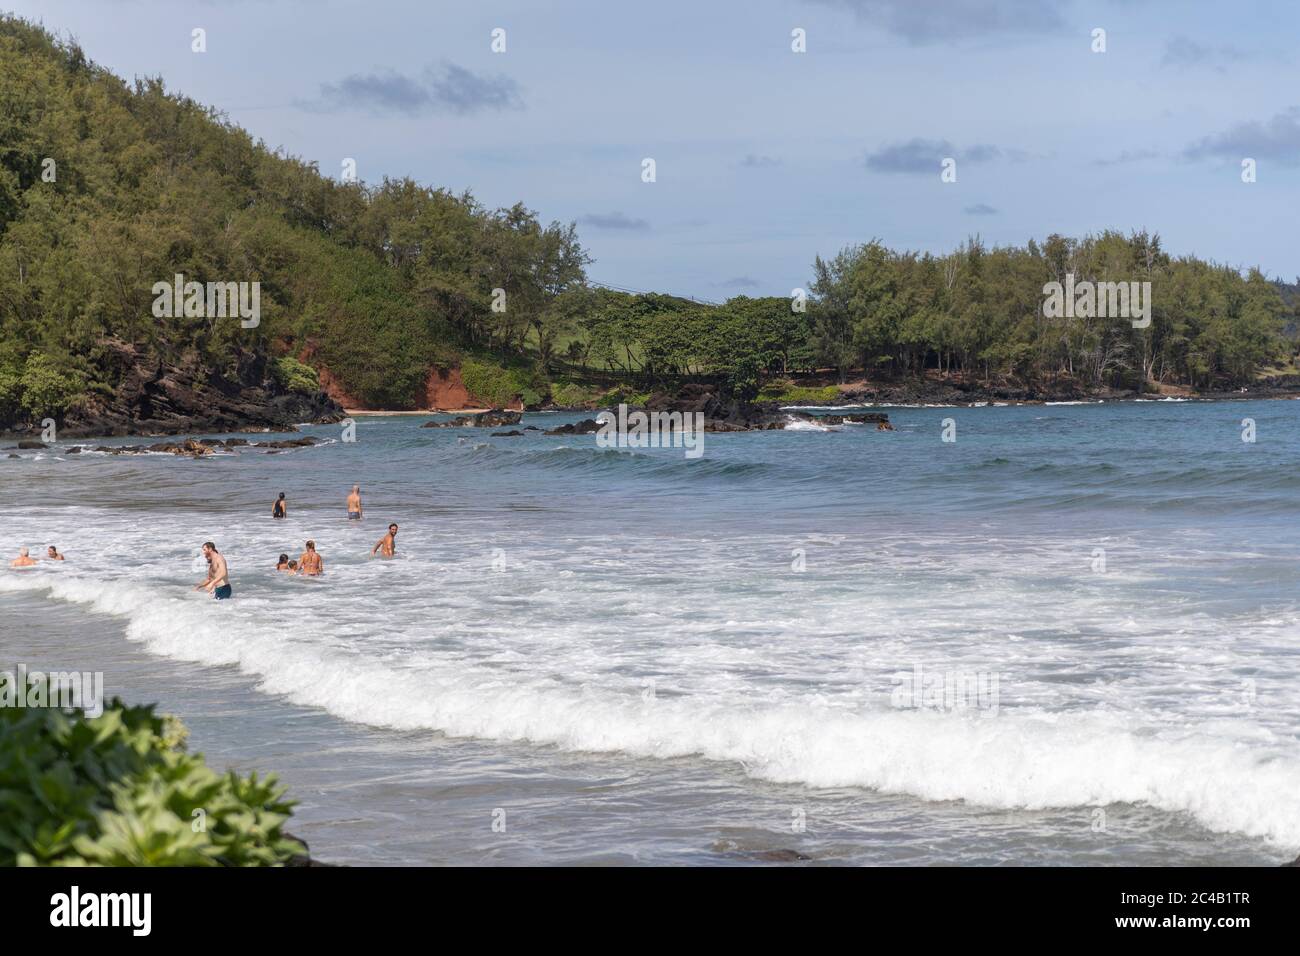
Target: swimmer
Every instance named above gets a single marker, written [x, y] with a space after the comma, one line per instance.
[310, 563]
[387, 545]
[218, 581]
[281, 507]
[283, 564]
[354, 504]
[53, 553]
[22, 561]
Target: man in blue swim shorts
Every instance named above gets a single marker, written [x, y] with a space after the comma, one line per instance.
[217, 583]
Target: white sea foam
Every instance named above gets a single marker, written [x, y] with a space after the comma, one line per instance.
[1028, 759]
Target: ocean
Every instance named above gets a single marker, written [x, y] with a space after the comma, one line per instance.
[1071, 635]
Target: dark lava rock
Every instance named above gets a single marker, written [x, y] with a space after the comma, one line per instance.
[74, 450]
[513, 433]
[588, 426]
[151, 396]
[305, 442]
[492, 419]
[31, 445]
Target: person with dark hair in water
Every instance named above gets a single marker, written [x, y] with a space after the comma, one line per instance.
[281, 507]
[387, 545]
[53, 553]
[217, 583]
[283, 564]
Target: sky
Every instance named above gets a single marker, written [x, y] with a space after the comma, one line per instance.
[765, 157]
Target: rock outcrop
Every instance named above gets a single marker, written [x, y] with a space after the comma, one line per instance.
[496, 418]
[152, 397]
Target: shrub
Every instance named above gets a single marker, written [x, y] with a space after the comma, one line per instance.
[573, 395]
[296, 377]
[120, 790]
[490, 381]
[788, 393]
[48, 388]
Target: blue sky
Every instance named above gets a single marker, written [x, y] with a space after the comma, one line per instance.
[765, 157]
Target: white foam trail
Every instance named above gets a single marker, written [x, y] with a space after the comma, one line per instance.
[1013, 760]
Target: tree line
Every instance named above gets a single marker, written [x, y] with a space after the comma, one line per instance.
[107, 187]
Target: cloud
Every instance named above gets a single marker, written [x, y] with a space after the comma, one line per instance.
[741, 282]
[937, 21]
[615, 221]
[446, 88]
[926, 155]
[1127, 156]
[980, 209]
[1183, 53]
[1277, 139]
[753, 161]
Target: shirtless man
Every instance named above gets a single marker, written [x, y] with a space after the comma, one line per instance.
[53, 553]
[310, 563]
[22, 561]
[387, 545]
[217, 583]
[354, 504]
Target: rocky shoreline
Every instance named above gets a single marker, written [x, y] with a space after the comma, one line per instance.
[154, 398]
[157, 400]
[939, 392]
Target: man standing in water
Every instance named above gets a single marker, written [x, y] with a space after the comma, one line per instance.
[387, 545]
[22, 561]
[354, 504]
[217, 582]
[310, 563]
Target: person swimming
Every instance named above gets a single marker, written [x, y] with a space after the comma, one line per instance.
[310, 562]
[387, 545]
[53, 553]
[218, 580]
[281, 507]
[354, 504]
[292, 566]
[283, 564]
[23, 560]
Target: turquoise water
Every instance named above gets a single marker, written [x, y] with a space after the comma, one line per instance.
[645, 658]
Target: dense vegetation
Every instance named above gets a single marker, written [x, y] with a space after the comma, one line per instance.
[120, 790]
[107, 188]
[980, 311]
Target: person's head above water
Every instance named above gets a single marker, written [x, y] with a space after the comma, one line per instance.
[209, 546]
[356, 489]
[284, 558]
[52, 551]
[282, 496]
[22, 552]
[311, 545]
[392, 529]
